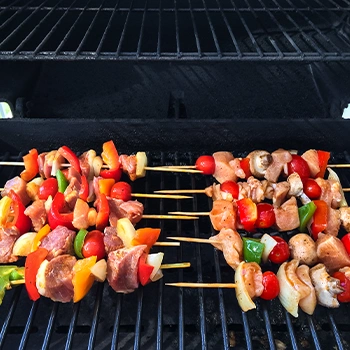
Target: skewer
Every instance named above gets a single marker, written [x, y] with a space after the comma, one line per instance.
[177, 217]
[167, 244]
[193, 240]
[179, 191]
[201, 285]
[189, 213]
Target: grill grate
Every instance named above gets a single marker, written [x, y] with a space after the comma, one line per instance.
[307, 30]
[167, 318]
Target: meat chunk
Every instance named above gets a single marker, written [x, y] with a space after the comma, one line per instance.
[86, 164]
[133, 210]
[257, 193]
[279, 159]
[330, 192]
[81, 214]
[235, 164]
[230, 243]
[311, 158]
[331, 252]
[298, 285]
[223, 170]
[252, 276]
[111, 240]
[214, 192]
[19, 186]
[287, 215]
[58, 241]
[37, 213]
[122, 265]
[281, 190]
[223, 215]
[8, 238]
[345, 218]
[54, 278]
[129, 165]
[296, 185]
[333, 222]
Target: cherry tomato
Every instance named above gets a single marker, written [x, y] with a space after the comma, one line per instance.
[94, 245]
[206, 164]
[121, 190]
[266, 216]
[298, 165]
[280, 253]
[345, 283]
[312, 189]
[230, 187]
[346, 242]
[271, 286]
[48, 188]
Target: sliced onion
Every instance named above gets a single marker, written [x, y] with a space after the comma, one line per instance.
[40, 280]
[157, 276]
[23, 245]
[270, 243]
[141, 163]
[155, 260]
[333, 176]
[97, 164]
[126, 231]
[288, 296]
[99, 270]
[244, 300]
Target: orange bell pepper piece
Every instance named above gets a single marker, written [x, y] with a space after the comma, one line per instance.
[43, 232]
[110, 155]
[31, 165]
[82, 277]
[105, 186]
[147, 236]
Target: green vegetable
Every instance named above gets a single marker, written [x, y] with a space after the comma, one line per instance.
[9, 273]
[252, 250]
[305, 214]
[62, 181]
[79, 242]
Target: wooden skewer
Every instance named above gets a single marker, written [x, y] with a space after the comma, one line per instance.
[180, 191]
[179, 166]
[201, 285]
[167, 244]
[182, 265]
[189, 213]
[147, 195]
[177, 217]
[193, 240]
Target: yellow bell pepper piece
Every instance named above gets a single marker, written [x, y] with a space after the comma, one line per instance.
[105, 186]
[83, 279]
[5, 205]
[43, 232]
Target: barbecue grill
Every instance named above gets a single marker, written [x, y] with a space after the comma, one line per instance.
[175, 79]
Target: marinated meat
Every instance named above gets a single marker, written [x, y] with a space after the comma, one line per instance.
[330, 192]
[128, 164]
[122, 266]
[41, 164]
[133, 210]
[86, 164]
[287, 215]
[296, 185]
[223, 170]
[281, 190]
[8, 238]
[279, 159]
[19, 186]
[223, 215]
[111, 240]
[81, 214]
[214, 192]
[298, 285]
[37, 213]
[58, 241]
[311, 158]
[256, 190]
[345, 218]
[252, 276]
[333, 222]
[235, 164]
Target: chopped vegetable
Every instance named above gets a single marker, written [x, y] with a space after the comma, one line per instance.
[23, 245]
[5, 205]
[9, 273]
[110, 155]
[312, 189]
[121, 190]
[126, 232]
[79, 242]
[323, 158]
[343, 297]
[147, 236]
[230, 187]
[56, 216]
[19, 219]
[71, 157]
[154, 260]
[94, 245]
[320, 218]
[206, 164]
[31, 165]
[114, 174]
[266, 215]
[99, 270]
[61, 181]
[141, 163]
[48, 188]
[245, 165]
[280, 253]
[306, 213]
[102, 212]
[333, 176]
[105, 186]
[248, 213]
[271, 286]
[346, 242]
[84, 188]
[252, 250]
[144, 270]
[298, 165]
[244, 300]
[269, 243]
[43, 232]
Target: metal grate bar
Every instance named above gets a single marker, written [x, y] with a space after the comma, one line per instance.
[335, 330]
[95, 317]
[124, 30]
[159, 38]
[314, 333]
[141, 31]
[268, 326]
[72, 326]
[118, 310]
[138, 319]
[177, 36]
[247, 334]
[50, 328]
[195, 31]
[28, 326]
[291, 330]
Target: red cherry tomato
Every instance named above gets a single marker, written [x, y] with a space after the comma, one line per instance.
[271, 286]
[230, 187]
[280, 253]
[266, 215]
[298, 165]
[121, 190]
[346, 242]
[206, 164]
[345, 283]
[94, 245]
[48, 188]
[312, 189]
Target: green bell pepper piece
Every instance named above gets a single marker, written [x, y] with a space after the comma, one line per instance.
[252, 249]
[9, 273]
[62, 181]
[79, 242]
[305, 214]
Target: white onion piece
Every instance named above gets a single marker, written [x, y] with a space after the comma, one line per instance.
[48, 203]
[23, 245]
[270, 243]
[157, 276]
[154, 260]
[126, 231]
[97, 164]
[141, 163]
[40, 280]
[288, 296]
[99, 270]
[333, 176]
[244, 300]
[38, 181]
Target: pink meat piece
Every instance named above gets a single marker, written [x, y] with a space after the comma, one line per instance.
[280, 192]
[41, 164]
[81, 215]
[223, 170]
[256, 189]
[58, 278]
[128, 164]
[37, 213]
[85, 160]
[333, 222]
[279, 159]
[18, 185]
[111, 240]
[223, 215]
[330, 192]
[8, 237]
[122, 266]
[287, 215]
[59, 241]
[235, 164]
[133, 210]
[311, 158]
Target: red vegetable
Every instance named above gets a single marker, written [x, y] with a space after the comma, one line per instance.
[32, 265]
[20, 220]
[121, 190]
[323, 158]
[110, 155]
[31, 165]
[346, 242]
[345, 283]
[94, 245]
[114, 174]
[245, 165]
[320, 218]
[248, 213]
[206, 164]
[266, 216]
[84, 188]
[271, 286]
[299, 165]
[56, 216]
[71, 157]
[230, 187]
[48, 188]
[280, 253]
[144, 270]
[102, 212]
[312, 189]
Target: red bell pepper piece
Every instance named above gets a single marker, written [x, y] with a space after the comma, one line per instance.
[144, 270]
[248, 213]
[114, 174]
[31, 165]
[320, 218]
[56, 216]
[323, 158]
[84, 188]
[32, 265]
[20, 220]
[110, 155]
[102, 212]
[147, 236]
[245, 165]
[71, 157]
